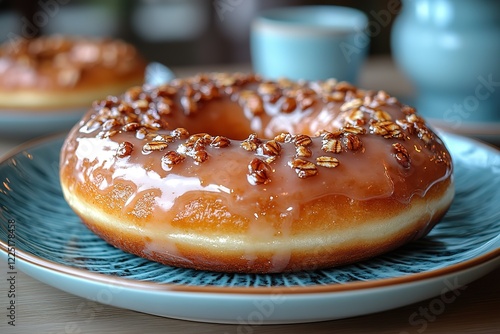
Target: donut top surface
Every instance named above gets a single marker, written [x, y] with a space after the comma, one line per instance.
[266, 146]
[63, 63]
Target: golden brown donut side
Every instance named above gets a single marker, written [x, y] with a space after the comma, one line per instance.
[360, 173]
[66, 71]
[322, 244]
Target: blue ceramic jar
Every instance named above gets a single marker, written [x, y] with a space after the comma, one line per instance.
[450, 50]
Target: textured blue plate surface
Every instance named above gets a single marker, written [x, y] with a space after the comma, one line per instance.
[47, 228]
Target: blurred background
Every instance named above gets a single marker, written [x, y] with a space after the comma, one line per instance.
[173, 32]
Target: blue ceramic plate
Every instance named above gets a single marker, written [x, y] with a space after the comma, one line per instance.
[52, 245]
[29, 124]
[21, 124]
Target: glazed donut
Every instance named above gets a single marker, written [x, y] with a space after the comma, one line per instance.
[62, 72]
[232, 173]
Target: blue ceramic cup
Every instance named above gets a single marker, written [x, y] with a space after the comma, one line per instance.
[309, 42]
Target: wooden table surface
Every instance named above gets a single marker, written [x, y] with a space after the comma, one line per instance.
[43, 309]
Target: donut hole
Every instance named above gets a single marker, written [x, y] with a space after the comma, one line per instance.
[227, 118]
[222, 118]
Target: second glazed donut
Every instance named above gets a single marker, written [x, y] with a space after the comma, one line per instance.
[65, 72]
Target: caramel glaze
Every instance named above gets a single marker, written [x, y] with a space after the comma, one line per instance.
[59, 63]
[263, 149]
